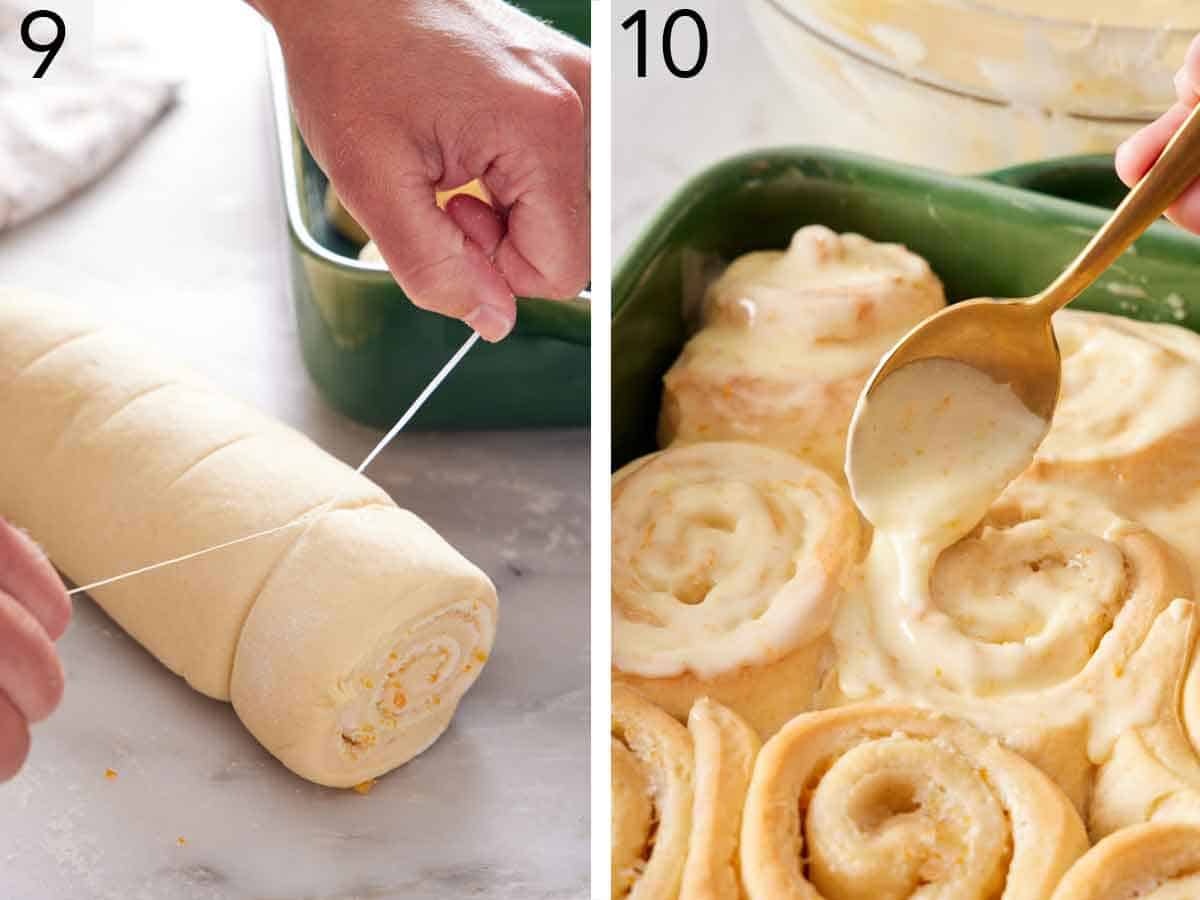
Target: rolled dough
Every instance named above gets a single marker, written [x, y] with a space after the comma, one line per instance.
[344, 644]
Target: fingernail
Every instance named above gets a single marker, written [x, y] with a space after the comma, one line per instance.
[491, 324]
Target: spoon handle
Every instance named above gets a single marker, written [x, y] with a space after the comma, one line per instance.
[1176, 168]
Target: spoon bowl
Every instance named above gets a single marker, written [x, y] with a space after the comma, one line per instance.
[1011, 341]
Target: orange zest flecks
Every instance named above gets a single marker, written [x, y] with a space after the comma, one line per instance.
[364, 788]
[480, 656]
[400, 700]
[110, 774]
[181, 841]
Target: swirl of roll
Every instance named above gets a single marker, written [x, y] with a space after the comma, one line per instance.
[1153, 773]
[653, 773]
[1159, 861]
[788, 340]
[677, 796]
[889, 801]
[1127, 425]
[725, 747]
[1023, 627]
[345, 690]
[728, 563]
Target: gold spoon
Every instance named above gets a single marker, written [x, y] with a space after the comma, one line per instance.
[1012, 341]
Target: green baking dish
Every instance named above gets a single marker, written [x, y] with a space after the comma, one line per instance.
[370, 351]
[985, 236]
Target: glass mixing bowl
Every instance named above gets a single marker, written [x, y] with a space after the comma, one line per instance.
[966, 85]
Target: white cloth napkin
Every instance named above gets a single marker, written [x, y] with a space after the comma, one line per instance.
[61, 132]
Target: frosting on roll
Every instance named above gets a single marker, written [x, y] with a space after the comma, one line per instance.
[1027, 627]
[877, 801]
[724, 555]
[934, 444]
[788, 340]
[1146, 862]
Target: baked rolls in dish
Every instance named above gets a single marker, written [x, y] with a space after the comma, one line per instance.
[729, 560]
[1146, 862]
[677, 796]
[883, 801]
[1028, 629]
[344, 643]
[788, 340]
[982, 703]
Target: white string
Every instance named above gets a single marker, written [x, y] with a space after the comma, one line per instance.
[312, 514]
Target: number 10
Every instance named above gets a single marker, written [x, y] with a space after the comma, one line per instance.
[638, 21]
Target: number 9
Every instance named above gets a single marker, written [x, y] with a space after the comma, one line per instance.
[50, 48]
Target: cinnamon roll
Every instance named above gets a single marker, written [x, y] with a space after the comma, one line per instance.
[788, 340]
[881, 801]
[1027, 627]
[728, 563]
[1146, 862]
[1127, 426]
[1153, 773]
[725, 749]
[652, 790]
[677, 796]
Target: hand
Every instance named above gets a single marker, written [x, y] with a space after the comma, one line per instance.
[1140, 152]
[34, 612]
[397, 98]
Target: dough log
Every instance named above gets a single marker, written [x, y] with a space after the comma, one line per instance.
[344, 643]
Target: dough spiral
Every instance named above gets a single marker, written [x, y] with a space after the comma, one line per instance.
[1146, 862]
[788, 340]
[728, 563]
[880, 801]
[1026, 626]
[677, 796]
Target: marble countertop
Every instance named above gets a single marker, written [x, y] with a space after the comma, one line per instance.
[184, 241]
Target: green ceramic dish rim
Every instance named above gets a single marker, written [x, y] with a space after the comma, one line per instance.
[656, 234]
